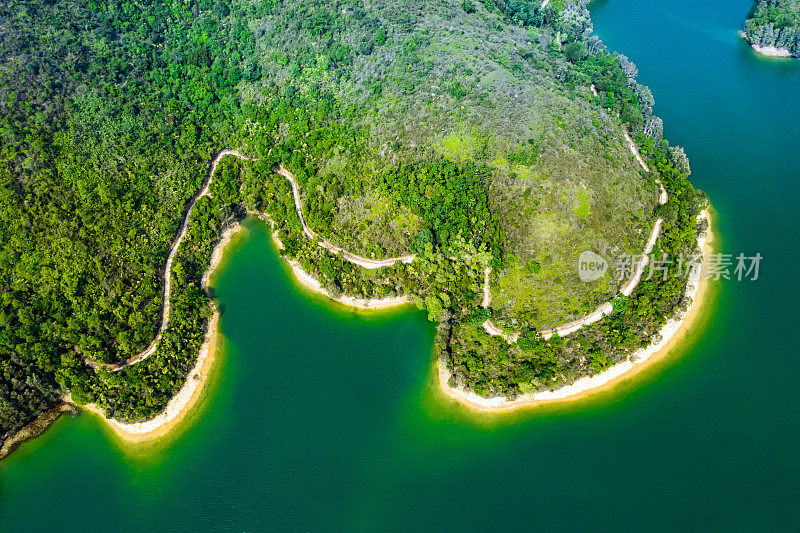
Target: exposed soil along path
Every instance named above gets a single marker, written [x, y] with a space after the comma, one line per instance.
[564, 329]
[355, 259]
[637, 155]
[205, 190]
[487, 291]
[605, 308]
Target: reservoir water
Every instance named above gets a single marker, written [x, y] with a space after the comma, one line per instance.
[322, 418]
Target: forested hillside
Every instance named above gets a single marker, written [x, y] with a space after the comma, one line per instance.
[774, 25]
[466, 132]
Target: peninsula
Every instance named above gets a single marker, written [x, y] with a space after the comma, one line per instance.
[773, 28]
[458, 156]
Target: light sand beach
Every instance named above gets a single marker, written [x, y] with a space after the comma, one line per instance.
[180, 404]
[308, 281]
[771, 51]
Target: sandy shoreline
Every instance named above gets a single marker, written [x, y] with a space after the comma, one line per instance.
[186, 398]
[183, 402]
[180, 404]
[672, 332]
[35, 428]
[310, 282]
[771, 51]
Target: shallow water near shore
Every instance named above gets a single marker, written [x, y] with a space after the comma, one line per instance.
[320, 417]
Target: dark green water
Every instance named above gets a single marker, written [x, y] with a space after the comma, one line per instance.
[341, 429]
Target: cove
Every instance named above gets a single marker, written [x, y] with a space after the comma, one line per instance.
[326, 418]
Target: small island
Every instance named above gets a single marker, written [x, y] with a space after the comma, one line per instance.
[773, 28]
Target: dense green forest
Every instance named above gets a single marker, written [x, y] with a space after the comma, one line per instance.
[775, 23]
[464, 132]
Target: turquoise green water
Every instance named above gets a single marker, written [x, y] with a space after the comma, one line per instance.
[340, 428]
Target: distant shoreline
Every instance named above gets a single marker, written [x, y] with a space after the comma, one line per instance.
[35, 428]
[770, 51]
[672, 332]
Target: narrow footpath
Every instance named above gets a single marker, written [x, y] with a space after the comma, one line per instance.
[205, 190]
[606, 308]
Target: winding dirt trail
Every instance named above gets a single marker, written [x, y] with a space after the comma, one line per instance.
[487, 291]
[205, 190]
[605, 308]
[564, 329]
[311, 234]
[638, 156]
